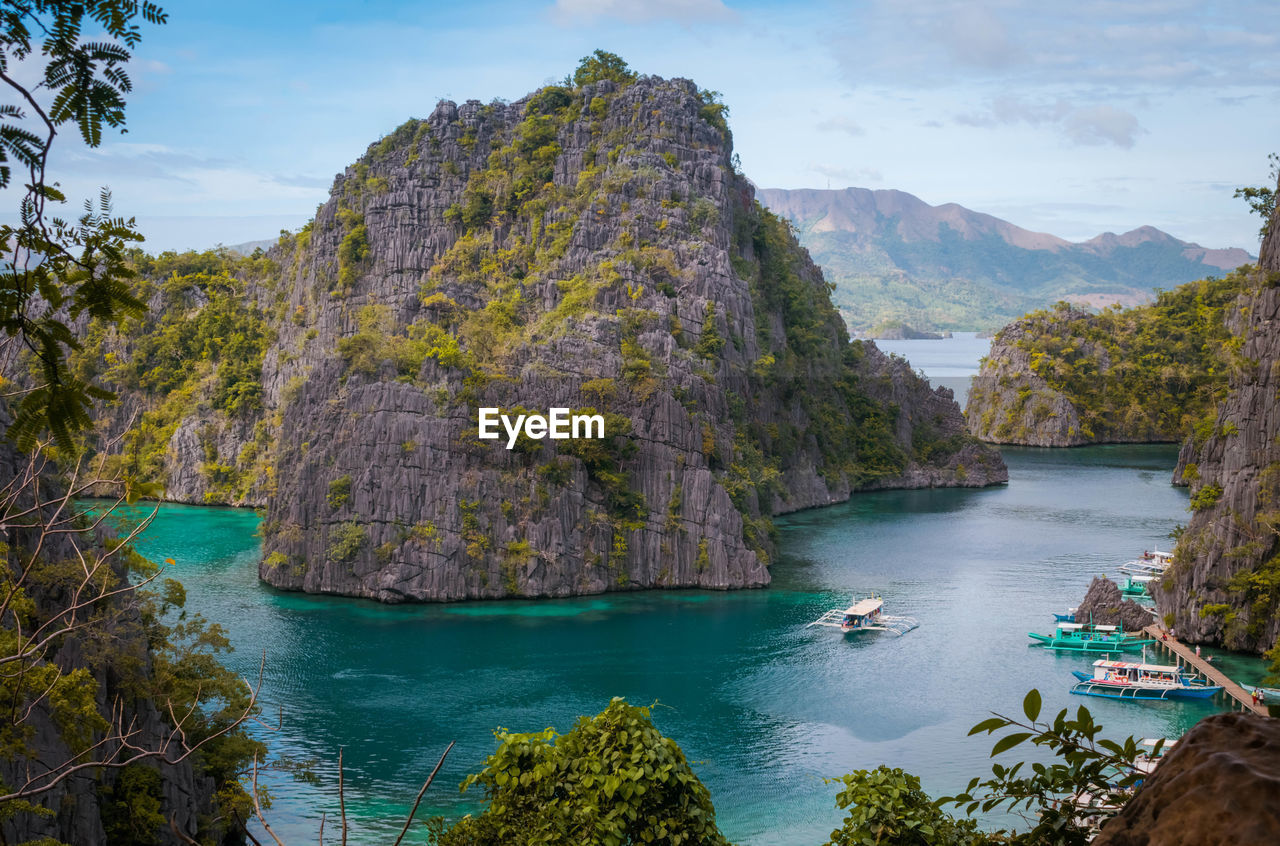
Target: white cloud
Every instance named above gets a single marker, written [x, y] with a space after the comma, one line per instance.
[1102, 125]
[852, 175]
[842, 124]
[642, 11]
[975, 36]
[1094, 124]
[1110, 45]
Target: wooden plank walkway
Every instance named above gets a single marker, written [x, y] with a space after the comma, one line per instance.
[1188, 656]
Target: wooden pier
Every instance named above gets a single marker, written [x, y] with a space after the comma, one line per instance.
[1186, 655]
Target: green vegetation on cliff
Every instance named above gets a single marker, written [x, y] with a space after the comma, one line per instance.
[592, 245]
[1149, 373]
[200, 345]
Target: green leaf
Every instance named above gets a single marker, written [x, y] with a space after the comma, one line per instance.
[1031, 704]
[1009, 741]
[989, 725]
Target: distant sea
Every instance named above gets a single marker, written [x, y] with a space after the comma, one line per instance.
[949, 362]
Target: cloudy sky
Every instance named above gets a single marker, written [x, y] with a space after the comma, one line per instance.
[1067, 117]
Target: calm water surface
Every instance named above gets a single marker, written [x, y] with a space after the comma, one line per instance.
[765, 707]
[948, 362]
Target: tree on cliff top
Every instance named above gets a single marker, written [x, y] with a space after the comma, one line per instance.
[602, 65]
[1262, 199]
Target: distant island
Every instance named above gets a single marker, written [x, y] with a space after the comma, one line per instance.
[895, 258]
[896, 330]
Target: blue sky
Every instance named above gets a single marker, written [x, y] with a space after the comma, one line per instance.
[1072, 118]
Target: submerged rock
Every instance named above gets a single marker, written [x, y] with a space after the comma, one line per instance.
[1219, 785]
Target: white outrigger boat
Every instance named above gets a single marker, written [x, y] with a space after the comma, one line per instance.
[864, 615]
[1150, 564]
[1128, 680]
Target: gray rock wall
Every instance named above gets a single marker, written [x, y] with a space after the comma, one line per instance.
[1218, 589]
[716, 444]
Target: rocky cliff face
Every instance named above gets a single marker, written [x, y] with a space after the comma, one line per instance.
[587, 248]
[1010, 403]
[590, 248]
[1223, 586]
[1104, 605]
[1217, 786]
[1148, 374]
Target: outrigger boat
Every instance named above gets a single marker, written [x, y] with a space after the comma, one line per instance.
[1069, 617]
[1083, 637]
[1136, 586]
[1125, 680]
[1150, 564]
[865, 615]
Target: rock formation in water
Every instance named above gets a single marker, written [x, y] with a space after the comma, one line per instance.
[1010, 403]
[1223, 587]
[1218, 787]
[590, 248]
[896, 330]
[1104, 605]
[1067, 377]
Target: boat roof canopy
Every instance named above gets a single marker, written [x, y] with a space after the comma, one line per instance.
[1071, 627]
[1129, 665]
[1104, 628]
[863, 607]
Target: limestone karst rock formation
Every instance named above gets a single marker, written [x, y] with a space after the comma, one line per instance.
[1221, 588]
[589, 247]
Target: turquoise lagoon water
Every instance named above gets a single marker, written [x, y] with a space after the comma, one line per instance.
[765, 707]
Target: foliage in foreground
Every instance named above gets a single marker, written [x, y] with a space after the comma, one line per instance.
[888, 808]
[1063, 801]
[612, 779]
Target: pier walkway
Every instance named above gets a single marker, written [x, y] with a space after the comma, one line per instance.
[1187, 655]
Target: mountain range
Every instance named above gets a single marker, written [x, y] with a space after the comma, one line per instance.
[895, 260]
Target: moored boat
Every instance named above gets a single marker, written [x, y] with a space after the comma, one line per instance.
[1069, 617]
[1150, 564]
[1127, 680]
[865, 615]
[1136, 586]
[1083, 637]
